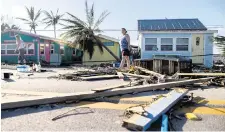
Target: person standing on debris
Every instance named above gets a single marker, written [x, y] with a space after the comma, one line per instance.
[125, 49]
[21, 48]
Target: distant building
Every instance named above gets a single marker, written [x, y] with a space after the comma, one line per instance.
[98, 58]
[176, 38]
[38, 49]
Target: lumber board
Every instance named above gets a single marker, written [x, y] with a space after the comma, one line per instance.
[10, 91]
[150, 72]
[111, 87]
[99, 77]
[120, 74]
[135, 75]
[154, 111]
[201, 74]
[118, 86]
[91, 94]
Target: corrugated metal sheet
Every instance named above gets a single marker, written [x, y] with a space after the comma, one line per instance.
[170, 24]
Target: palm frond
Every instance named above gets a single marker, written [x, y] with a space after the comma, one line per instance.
[37, 15]
[78, 20]
[86, 10]
[98, 30]
[23, 19]
[61, 24]
[57, 11]
[52, 14]
[29, 12]
[76, 23]
[47, 14]
[101, 19]
[48, 25]
[89, 14]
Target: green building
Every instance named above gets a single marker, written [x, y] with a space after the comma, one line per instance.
[38, 49]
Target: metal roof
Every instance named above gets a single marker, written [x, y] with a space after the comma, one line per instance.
[170, 24]
[60, 41]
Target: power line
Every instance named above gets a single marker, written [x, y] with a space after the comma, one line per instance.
[132, 30]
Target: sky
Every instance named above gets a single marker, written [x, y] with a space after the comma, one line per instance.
[123, 13]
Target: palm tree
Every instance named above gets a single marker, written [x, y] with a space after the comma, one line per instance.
[32, 18]
[220, 42]
[83, 33]
[52, 19]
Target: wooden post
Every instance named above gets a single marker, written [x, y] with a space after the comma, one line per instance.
[178, 67]
[169, 67]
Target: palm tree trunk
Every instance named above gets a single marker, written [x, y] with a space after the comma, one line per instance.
[34, 30]
[110, 52]
[55, 31]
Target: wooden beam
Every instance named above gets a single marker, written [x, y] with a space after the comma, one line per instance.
[154, 111]
[91, 94]
[121, 76]
[111, 87]
[201, 74]
[150, 72]
[126, 84]
[135, 75]
[99, 77]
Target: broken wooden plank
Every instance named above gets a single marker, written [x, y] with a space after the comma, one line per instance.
[201, 74]
[90, 95]
[135, 75]
[111, 87]
[150, 72]
[20, 92]
[154, 111]
[134, 83]
[120, 74]
[99, 77]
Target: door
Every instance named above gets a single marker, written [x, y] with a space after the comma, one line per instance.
[47, 52]
[197, 49]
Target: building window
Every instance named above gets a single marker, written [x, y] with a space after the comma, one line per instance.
[182, 44]
[3, 47]
[166, 40]
[42, 49]
[197, 41]
[52, 48]
[182, 47]
[61, 49]
[30, 49]
[74, 51]
[12, 34]
[151, 44]
[166, 47]
[108, 43]
[166, 44]
[9, 49]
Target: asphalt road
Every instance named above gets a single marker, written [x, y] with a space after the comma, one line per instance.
[100, 119]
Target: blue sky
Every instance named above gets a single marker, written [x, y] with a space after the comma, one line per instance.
[124, 13]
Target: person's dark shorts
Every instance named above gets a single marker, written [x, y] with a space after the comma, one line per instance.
[21, 55]
[126, 52]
